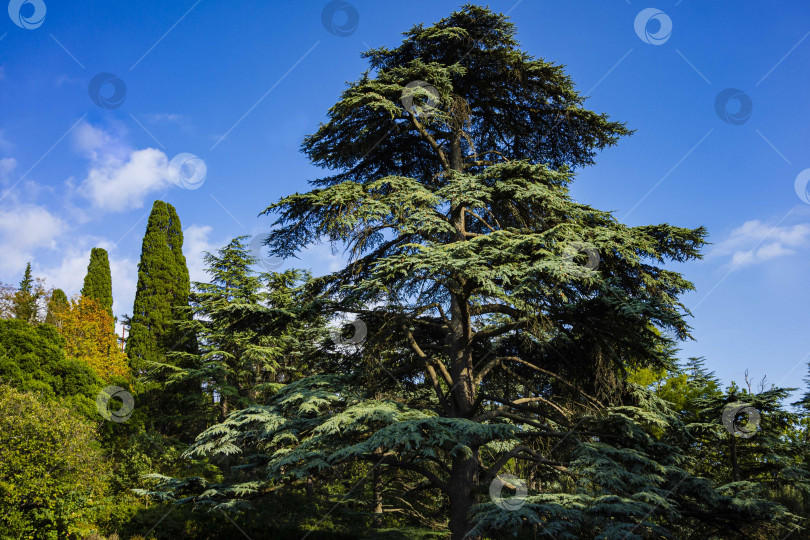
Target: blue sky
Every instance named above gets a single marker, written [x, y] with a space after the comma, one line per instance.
[239, 86]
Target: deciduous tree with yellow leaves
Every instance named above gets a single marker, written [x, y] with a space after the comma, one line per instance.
[88, 329]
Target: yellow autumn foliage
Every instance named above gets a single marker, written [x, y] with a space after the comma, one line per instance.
[89, 333]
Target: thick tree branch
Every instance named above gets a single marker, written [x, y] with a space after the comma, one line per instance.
[516, 452]
[431, 141]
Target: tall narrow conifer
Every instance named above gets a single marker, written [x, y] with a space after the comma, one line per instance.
[163, 288]
[98, 281]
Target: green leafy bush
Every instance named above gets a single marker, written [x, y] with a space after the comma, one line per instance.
[51, 467]
[32, 358]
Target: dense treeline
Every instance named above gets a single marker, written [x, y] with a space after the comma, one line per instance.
[496, 359]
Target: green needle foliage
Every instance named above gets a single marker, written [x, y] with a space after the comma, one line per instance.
[503, 317]
[98, 281]
[247, 344]
[503, 323]
[25, 305]
[162, 291]
[461, 226]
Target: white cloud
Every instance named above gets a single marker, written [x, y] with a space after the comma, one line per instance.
[115, 185]
[756, 242]
[318, 258]
[195, 244]
[24, 229]
[124, 273]
[120, 178]
[97, 144]
[68, 273]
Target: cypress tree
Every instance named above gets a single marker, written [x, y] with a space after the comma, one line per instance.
[56, 304]
[163, 288]
[97, 282]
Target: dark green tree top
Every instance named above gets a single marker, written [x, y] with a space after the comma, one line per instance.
[57, 303]
[27, 282]
[249, 339]
[26, 297]
[479, 100]
[163, 288]
[98, 281]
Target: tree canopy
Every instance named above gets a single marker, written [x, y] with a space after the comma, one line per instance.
[503, 317]
[88, 330]
[50, 466]
[162, 290]
[495, 359]
[98, 280]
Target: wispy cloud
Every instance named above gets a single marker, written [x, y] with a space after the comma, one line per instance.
[5, 144]
[755, 242]
[166, 118]
[7, 166]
